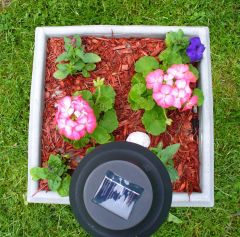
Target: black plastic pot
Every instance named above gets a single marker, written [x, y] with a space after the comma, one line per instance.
[121, 189]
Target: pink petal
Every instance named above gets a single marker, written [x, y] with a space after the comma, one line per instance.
[168, 77]
[82, 120]
[188, 89]
[169, 82]
[158, 96]
[166, 89]
[189, 76]
[61, 123]
[181, 84]
[174, 92]
[177, 103]
[156, 87]
[193, 101]
[67, 131]
[169, 100]
[65, 102]
[182, 93]
[70, 127]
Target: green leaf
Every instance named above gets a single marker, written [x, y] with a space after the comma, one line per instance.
[90, 66]
[136, 91]
[170, 57]
[79, 66]
[185, 58]
[109, 121]
[169, 152]
[86, 95]
[172, 173]
[97, 110]
[54, 184]
[134, 106]
[146, 103]
[139, 99]
[157, 150]
[176, 50]
[79, 53]
[67, 43]
[177, 40]
[56, 166]
[39, 173]
[166, 155]
[100, 135]
[67, 40]
[91, 58]
[70, 52]
[55, 160]
[62, 57]
[85, 73]
[174, 219]
[138, 78]
[62, 67]
[194, 70]
[63, 190]
[60, 75]
[78, 40]
[146, 64]
[81, 143]
[90, 149]
[105, 104]
[154, 121]
[200, 96]
[106, 98]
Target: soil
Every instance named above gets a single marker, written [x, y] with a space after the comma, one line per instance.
[117, 67]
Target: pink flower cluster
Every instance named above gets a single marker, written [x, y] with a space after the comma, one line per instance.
[74, 117]
[172, 89]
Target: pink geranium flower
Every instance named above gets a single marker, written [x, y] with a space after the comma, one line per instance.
[154, 80]
[172, 89]
[74, 117]
[164, 98]
[178, 70]
[192, 102]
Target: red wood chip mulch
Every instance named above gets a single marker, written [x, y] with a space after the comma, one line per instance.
[117, 67]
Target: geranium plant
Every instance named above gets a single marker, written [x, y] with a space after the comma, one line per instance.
[167, 83]
[75, 60]
[80, 118]
[166, 156]
[56, 173]
[86, 116]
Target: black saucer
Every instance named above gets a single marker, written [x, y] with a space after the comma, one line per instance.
[120, 171]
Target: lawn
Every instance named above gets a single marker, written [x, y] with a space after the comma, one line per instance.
[17, 25]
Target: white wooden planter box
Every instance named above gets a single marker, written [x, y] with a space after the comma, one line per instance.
[206, 151]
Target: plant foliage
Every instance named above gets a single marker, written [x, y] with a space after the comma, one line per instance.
[154, 118]
[55, 173]
[166, 155]
[102, 101]
[74, 60]
[175, 53]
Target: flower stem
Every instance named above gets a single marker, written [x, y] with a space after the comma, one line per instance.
[168, 120]
[99, 94]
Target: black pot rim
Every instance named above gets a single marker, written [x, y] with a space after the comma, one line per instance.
[153, 168]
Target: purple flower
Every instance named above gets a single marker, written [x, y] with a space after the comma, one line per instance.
[195, 49]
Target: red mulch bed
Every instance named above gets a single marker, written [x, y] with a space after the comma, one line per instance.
[117, 67]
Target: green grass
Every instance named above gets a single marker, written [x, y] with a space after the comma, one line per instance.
[17, 24]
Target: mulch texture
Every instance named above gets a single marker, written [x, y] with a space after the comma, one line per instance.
[117, 67]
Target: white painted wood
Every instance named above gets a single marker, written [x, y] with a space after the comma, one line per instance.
[206, 142]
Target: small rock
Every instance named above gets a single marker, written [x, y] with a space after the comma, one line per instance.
[139, 138]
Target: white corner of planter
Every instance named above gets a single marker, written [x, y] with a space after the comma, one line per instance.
[206, 144]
